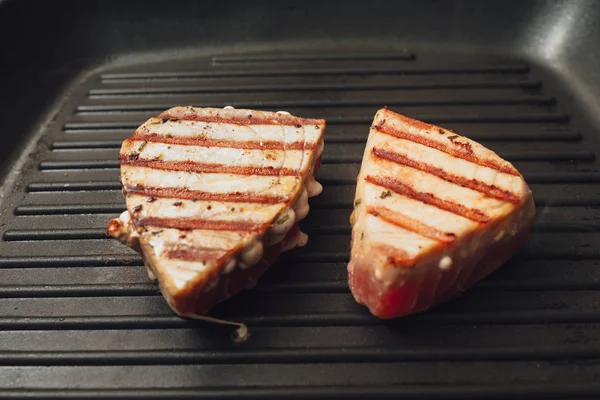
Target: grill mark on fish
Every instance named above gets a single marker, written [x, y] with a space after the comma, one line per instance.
[411, 224]
[488, 190]
[183, 193]
[250, 118]
[187, 253]
[453, 147]
[191, 166]
[428, 198]
[233, 144]
[198, 223]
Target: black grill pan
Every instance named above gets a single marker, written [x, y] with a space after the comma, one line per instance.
[78, 315]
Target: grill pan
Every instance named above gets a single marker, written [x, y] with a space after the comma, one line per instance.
[78, 315]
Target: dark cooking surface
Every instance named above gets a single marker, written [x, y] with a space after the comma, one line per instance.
[79, 316]
[70, 296]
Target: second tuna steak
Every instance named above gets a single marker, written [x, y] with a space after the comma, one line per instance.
[434, 212]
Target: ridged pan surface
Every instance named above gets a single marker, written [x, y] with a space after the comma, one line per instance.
[79, 316]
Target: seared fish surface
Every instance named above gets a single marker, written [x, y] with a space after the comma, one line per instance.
[434, 212]
[213, 197]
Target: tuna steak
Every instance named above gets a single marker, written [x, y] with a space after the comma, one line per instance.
[434, 212]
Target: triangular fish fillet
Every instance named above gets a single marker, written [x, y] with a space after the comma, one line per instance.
[434, 212]
[213, 197]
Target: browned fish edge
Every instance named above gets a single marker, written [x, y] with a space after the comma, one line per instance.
[250, 118]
